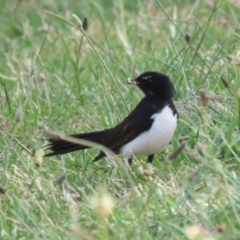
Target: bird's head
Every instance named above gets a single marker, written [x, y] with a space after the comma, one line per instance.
[154, 84]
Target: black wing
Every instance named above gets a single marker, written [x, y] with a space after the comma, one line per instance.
[138, 121]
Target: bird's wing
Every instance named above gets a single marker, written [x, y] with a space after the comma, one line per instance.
[138, 121]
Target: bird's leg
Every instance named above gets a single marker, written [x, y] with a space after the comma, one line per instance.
[150, 158]
[129, 160]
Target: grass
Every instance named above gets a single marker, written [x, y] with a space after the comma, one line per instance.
[53, 75]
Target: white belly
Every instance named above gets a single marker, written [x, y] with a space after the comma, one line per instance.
[156, 138]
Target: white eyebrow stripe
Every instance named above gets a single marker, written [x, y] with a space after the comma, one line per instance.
[146, 77]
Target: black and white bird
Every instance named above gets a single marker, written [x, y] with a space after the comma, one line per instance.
[144, 132]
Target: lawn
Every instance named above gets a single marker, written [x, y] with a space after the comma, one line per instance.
[64, 66]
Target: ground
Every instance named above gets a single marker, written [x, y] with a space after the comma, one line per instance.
[58, 72]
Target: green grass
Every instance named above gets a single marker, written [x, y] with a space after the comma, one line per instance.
[54, 76]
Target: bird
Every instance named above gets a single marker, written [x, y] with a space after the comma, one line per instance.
[144, 132]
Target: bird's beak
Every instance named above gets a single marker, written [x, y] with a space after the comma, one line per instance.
[132, 81]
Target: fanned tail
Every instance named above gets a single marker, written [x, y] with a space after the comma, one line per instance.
[59, 146]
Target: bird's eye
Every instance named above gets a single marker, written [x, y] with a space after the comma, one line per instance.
[150, 92]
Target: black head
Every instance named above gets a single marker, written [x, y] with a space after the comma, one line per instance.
[155, 84]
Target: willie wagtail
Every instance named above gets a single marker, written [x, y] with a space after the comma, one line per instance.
[145, 131]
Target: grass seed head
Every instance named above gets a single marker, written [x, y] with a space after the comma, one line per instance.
[18, 115]
[102, 203]
[204, 98]
[85, 24]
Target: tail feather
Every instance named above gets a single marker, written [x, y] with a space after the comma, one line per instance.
[59, 146]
